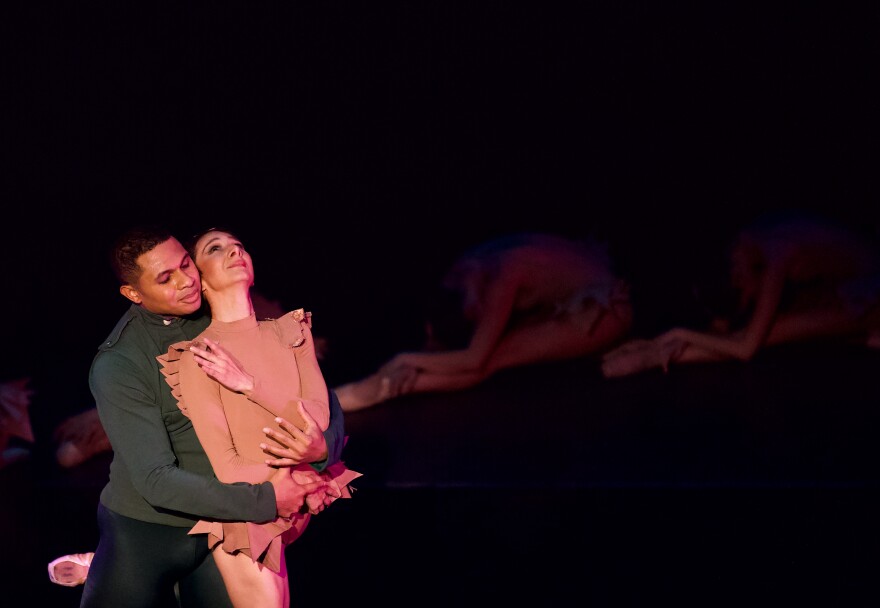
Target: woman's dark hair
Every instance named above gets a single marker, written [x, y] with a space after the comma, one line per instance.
[190, 243]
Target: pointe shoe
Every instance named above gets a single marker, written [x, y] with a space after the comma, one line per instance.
[70, 570]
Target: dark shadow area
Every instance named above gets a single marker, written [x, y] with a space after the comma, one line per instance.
[360, 148]
[710, 484]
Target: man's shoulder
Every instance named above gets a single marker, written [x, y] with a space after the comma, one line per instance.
[129, 343]
[122, 335]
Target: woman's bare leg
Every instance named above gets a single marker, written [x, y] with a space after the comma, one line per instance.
[250, 585]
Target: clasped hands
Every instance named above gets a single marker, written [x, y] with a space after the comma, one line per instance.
[295, 446]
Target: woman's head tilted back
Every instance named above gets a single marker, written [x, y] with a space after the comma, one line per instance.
[221, 259]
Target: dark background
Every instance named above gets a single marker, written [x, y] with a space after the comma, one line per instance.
[361, 146]
[358, 147]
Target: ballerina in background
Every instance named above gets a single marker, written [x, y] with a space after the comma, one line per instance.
[793, 277]
[15, 421]
[514, 301]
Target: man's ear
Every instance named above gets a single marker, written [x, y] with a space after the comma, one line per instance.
[130, 293]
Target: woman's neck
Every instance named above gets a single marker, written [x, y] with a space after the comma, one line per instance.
[232, 305]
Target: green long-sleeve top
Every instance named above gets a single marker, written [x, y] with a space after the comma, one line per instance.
[160, 472]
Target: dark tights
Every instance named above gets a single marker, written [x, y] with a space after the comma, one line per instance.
[137, 565]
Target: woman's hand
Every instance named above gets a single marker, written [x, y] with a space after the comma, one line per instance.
[215, 361]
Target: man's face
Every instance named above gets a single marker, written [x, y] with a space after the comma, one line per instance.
[169, 284]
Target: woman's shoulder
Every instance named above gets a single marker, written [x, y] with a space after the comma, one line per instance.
[291, 328]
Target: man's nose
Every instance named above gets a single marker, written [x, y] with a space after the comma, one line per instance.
[183, 280]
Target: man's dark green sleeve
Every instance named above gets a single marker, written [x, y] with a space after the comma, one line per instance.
[334, 435]
[160, 473]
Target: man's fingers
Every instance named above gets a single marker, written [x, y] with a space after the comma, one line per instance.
[273, 450]
[285, 439]
[310, 422]
[279, 452]
[288, 426]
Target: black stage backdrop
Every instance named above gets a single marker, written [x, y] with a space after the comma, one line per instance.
[360, 146]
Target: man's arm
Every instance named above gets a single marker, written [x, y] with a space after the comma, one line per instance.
[140, 439]
[334, 435]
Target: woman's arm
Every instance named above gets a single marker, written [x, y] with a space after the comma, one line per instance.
[742, 345]
[495, 312]
[205, 408]
[218, 365]
[315, 395]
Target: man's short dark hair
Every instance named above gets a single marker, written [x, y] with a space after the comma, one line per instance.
[131, 245]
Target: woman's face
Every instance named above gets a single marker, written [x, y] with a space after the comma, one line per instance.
[222, 261]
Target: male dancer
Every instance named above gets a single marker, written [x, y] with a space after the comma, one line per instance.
[161, 482]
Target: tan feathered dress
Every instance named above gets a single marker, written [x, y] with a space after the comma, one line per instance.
[280, 355]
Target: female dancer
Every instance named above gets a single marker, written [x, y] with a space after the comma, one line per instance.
[233, 381]
[514, 301]
[793, 277]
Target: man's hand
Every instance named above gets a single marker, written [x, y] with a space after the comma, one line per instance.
[290, 496]
[295, 446]
[320, 499]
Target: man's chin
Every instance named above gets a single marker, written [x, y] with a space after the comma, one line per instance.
[187, 309]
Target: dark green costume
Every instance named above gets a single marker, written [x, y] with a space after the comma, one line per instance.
[161, 481]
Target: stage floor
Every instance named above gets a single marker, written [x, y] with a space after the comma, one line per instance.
[719, 484]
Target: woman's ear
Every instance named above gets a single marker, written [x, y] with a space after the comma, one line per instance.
[130, 293]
